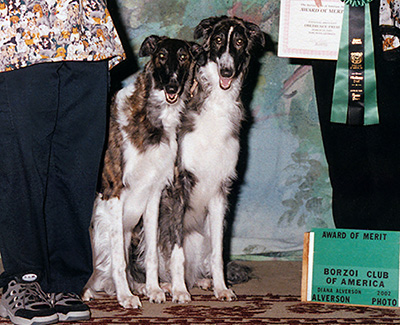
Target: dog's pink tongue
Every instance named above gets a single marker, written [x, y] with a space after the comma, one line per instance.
[171, 98]
[225, 83]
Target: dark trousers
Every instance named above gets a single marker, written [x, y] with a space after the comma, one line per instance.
[364, 161]
[52, 130]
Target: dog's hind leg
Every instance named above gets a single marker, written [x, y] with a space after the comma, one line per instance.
[216, 212]
[101, 279]
[172, 210]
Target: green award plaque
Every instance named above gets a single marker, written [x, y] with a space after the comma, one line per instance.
[355, 267]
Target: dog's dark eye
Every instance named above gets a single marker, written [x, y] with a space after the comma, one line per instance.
[161, 56]
[218, 40]
[183, 57]
[239, 42]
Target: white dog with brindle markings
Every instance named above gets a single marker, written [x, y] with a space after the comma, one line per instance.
[139, 163]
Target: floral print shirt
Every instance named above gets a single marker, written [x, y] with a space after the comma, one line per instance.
[35, 31]
[389, 21]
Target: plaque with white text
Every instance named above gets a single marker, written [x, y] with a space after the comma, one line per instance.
[354, 267]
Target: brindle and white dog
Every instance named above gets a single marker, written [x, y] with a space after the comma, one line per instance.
[192, 211]
[139, 163]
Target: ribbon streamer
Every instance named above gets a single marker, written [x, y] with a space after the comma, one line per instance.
[354, 97]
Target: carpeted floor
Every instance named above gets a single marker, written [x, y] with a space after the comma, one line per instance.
[272, 296]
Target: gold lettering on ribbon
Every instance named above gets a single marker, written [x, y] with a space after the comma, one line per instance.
[355, 97]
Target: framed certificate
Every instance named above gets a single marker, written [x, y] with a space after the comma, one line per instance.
[308, 30]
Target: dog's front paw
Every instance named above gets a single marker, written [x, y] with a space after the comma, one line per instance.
[205, 284]
[141, 288]
[156, 295]
[181, 296]
[225, 294]
[166, 287]
[87, 294]
[130, 301]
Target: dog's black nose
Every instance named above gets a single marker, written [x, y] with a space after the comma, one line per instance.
[226, 72]
[171, 89]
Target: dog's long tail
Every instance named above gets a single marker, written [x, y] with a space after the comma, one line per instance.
[237, 273]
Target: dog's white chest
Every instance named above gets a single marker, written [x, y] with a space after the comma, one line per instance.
[154, 165]
[211, 150]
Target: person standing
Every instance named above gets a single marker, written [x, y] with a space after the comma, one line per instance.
[54, 79]
[364, 161]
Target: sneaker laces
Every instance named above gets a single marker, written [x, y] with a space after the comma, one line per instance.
[63, 298]
[34, 294]
[27, 295]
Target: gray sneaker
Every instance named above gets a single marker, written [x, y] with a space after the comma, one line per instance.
[70, 307]
[24, 303]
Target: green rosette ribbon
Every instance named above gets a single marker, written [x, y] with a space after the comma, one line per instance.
[356, 3]
[354, 96]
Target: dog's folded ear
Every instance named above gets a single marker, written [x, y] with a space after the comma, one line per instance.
[255, 35]
[199, 53]
[149, 45]
[205, 27]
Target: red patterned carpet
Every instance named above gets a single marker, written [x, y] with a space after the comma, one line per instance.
[271, 297]
[255, 309]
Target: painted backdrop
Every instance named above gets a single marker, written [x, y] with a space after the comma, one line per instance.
[283, 188]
